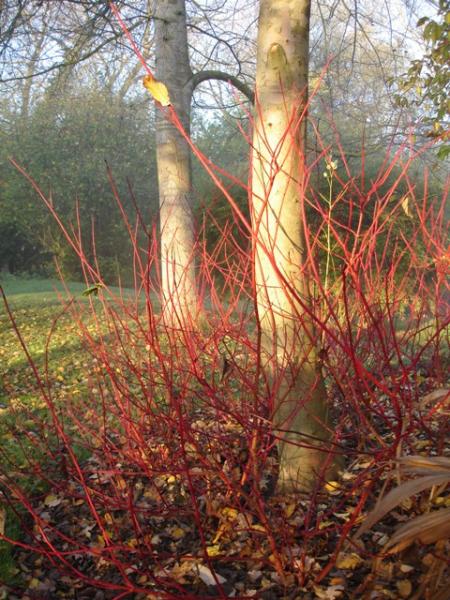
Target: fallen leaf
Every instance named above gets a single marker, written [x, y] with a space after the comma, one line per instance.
[290, 509]
[348, 561]
[427, 529]
[333, 487]
[439, 500]
[258, 527]
[223, 528]
[440, 396]
[180, 570]
[51, 500]
[177, 533]
[337, 581]
[407, 489]
[325, 524]
[2, 521]
[404, 588]
[213, 550]
[406, 568]
[331, 593]
[207, 577]
[34, 583]
[230, 513]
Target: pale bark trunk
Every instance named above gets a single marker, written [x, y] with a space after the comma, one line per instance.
[173, 163]
[28, 82]
[288, 354]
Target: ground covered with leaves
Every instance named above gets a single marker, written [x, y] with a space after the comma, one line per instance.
[178, 499]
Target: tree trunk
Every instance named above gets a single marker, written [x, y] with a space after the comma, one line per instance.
[173, 163]
[288, 350]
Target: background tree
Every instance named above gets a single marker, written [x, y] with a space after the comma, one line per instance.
[426, 84]
[65, 145]
[50, 48]
[174, 159]
[85, 30]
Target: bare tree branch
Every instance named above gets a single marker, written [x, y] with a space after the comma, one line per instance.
[207, 75]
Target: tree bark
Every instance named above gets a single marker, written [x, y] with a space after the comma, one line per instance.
[173, 163]
[288, 357]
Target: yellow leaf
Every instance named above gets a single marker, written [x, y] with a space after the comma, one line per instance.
[230, 513]
[179, 571]
[325, 524]
[290, 509]
[407, 503]
[348, 561]
[213, 550]
[439, 500]
[51, 500]
[177, 533]
[222, 529]
[332, 487]
[108, 519]
[34, 583]
[157, 89]
[406, 207]
[121, 483]
[258, 527]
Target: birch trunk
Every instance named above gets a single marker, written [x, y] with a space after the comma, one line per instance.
[173, 165]
[288, 355]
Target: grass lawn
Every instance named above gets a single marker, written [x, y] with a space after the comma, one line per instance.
[36, 304]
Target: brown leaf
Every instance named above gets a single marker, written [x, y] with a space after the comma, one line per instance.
[426, 465]
[426, 529]
[2, 521]
[439, 396]
[348, 561]
[404, 588]
[397, 495]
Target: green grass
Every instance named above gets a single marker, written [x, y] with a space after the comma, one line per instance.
[35, 304]
[33, 290]
[8, 568]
